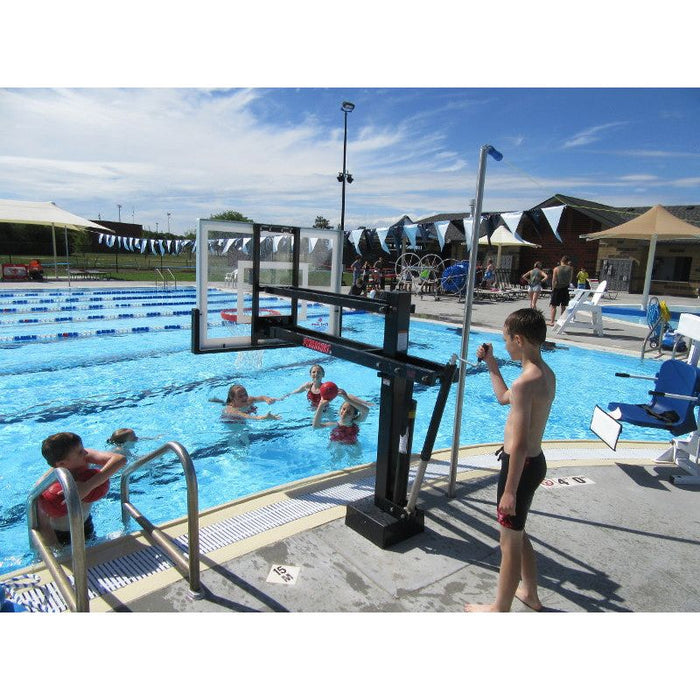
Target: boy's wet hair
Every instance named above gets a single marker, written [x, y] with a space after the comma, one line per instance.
[122, 435]
[56, 447]
[529, 323]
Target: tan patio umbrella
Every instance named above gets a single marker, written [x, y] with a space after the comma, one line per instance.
[45, 214]
[502, 238]
[657, 223]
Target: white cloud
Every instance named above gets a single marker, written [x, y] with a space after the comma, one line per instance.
[590, 135]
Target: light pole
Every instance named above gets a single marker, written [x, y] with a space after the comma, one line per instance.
[345, 176]
[119, 208]
[168, 213]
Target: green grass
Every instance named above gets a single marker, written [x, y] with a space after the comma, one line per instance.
[136, 267]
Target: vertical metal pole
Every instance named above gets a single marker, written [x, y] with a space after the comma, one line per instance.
[647, 276]
[55, 257]
[65, 238]
[466, 324]
[345, 150]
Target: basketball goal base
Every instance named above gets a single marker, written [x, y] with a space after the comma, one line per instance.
[382, 528]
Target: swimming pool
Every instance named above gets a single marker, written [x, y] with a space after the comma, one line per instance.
[93, 383]
[633, 314]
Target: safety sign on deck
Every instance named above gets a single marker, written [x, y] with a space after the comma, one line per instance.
[283, 573]
[567, 481]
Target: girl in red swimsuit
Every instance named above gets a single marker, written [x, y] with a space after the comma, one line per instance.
[312, 388]
[352, 412]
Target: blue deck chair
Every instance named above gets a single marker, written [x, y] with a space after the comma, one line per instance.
[675, 395]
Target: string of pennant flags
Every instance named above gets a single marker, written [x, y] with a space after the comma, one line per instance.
[162, 246]
[411, 231]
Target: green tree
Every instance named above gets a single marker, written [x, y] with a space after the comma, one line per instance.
[231, 215]
[322, 222]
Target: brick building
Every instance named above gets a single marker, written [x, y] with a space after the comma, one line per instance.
[621, 261]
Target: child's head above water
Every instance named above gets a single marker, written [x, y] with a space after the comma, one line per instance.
[122, 435]
[58, 447]
[237, 394]
[317, 372]
[348, 412]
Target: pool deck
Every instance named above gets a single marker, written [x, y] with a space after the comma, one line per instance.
[618, 537]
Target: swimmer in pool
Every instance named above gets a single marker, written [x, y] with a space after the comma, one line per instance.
[312, 388]
[241, 406]
[346, 428]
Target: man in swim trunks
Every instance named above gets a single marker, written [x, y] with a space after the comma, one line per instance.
[523, 465]
[561, 279]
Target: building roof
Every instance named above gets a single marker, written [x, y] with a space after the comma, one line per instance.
[608, 216]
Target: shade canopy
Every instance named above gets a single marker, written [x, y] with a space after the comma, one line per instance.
[14, 211]
[502, 237]
[656, 224]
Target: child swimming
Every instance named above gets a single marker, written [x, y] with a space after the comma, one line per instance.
[346, 428]
[312, 388]
[240, 406]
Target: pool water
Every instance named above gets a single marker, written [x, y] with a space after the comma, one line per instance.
[633, 314]
[150, 381]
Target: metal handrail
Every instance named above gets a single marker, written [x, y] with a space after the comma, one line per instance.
[187, 566]
[76, 594]
[162, 279]
[170, 272]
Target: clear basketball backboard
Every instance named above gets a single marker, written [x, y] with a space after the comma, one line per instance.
[232, 256]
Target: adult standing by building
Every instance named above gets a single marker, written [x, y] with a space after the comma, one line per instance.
[561, 279]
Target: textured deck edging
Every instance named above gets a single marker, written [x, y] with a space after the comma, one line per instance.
[109, 576]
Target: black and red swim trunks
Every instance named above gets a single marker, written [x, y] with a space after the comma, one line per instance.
[534, 472]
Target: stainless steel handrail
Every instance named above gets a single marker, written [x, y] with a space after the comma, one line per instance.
[162, 279]
[76, 594]
[170, 272]
[187, 566]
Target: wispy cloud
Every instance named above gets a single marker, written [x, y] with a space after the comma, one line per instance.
[590, 135]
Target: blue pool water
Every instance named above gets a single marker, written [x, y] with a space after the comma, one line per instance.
[149, 380]
[633, 314]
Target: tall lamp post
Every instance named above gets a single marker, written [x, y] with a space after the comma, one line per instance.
[345, 176]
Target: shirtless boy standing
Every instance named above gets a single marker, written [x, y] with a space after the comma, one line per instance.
[523, 465]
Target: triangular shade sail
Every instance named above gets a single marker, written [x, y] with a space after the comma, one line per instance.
[657, 221]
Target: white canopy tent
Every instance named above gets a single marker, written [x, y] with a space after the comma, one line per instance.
[502, 238]
[656, 223]
[13, 211]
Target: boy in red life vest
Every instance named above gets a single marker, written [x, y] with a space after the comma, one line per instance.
[66, 450]
[352, 412]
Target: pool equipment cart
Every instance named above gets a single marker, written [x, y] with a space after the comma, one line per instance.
[387, 517]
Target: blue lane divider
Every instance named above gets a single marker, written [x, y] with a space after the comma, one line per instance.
[112, 317]
[122, 331]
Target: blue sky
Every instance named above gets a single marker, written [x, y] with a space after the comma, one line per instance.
[273, 154]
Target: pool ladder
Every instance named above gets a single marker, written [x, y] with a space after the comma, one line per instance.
[76, 594]
[165, 281]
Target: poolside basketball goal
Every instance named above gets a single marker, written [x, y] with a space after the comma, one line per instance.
[277, 274]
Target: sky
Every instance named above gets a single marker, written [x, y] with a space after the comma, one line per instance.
[274, 154]
[198, 113]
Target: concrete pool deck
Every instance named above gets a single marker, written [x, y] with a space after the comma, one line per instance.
[611, 532]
